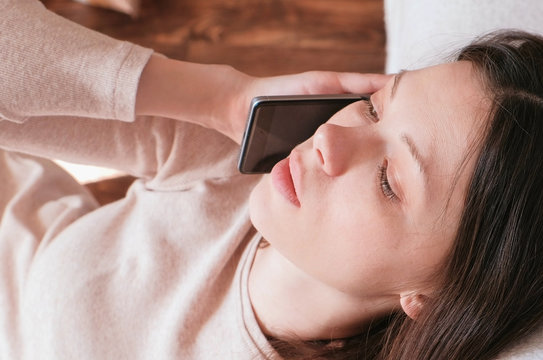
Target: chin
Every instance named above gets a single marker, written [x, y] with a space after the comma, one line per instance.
[264, 213]
[257, 210]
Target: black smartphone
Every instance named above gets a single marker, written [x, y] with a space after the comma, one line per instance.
[277, 124]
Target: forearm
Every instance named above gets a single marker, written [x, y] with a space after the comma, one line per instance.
[197, 93]
[171, 88]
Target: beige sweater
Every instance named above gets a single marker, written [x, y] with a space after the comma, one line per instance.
[160, 274]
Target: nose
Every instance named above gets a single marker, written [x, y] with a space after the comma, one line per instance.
[338, 147]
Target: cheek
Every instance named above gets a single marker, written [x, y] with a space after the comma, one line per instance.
[350, 115]
[270, 213]
[257, 210]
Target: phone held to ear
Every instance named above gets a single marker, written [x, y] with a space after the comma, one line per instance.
[278, 123]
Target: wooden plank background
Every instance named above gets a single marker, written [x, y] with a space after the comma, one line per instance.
[259, 37]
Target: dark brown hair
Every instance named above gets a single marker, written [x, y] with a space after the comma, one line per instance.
[493, 280]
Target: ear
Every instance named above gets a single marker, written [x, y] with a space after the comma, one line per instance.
[412, 304]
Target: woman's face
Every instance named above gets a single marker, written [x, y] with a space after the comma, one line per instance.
[370, 204]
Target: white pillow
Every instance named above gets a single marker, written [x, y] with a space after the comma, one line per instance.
[425, 32]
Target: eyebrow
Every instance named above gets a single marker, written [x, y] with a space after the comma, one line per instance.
[413, 150]
[415, 153]
[396, 82]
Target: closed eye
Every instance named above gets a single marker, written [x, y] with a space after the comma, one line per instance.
[384, 184]
[371, 113]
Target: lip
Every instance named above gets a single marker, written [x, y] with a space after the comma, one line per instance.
[282, 180]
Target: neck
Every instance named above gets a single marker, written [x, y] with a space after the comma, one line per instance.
[289, 303]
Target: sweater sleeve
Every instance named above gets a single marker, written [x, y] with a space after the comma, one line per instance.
[167, 153]
[51, 66]
[63, 88]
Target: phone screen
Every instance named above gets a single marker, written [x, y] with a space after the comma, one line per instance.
[277, 124]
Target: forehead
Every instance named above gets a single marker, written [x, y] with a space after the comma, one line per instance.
[443, 108]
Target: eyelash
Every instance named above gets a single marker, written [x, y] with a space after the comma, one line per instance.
[386, 189]
[384, 184]
[370, 111]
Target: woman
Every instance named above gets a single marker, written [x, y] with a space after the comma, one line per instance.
[420, 204]
[482, 292]
[457, 245]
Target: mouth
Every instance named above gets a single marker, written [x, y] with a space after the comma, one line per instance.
[282, 180]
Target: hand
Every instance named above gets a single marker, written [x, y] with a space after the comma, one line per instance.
[313, 82]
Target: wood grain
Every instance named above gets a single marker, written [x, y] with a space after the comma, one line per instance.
[260, 37]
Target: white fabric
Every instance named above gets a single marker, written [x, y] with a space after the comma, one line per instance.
[425, 32]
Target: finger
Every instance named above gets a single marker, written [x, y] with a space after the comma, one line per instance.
[362, 83]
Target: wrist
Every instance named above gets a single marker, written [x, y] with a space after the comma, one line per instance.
[204, 94]
[153, 87]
